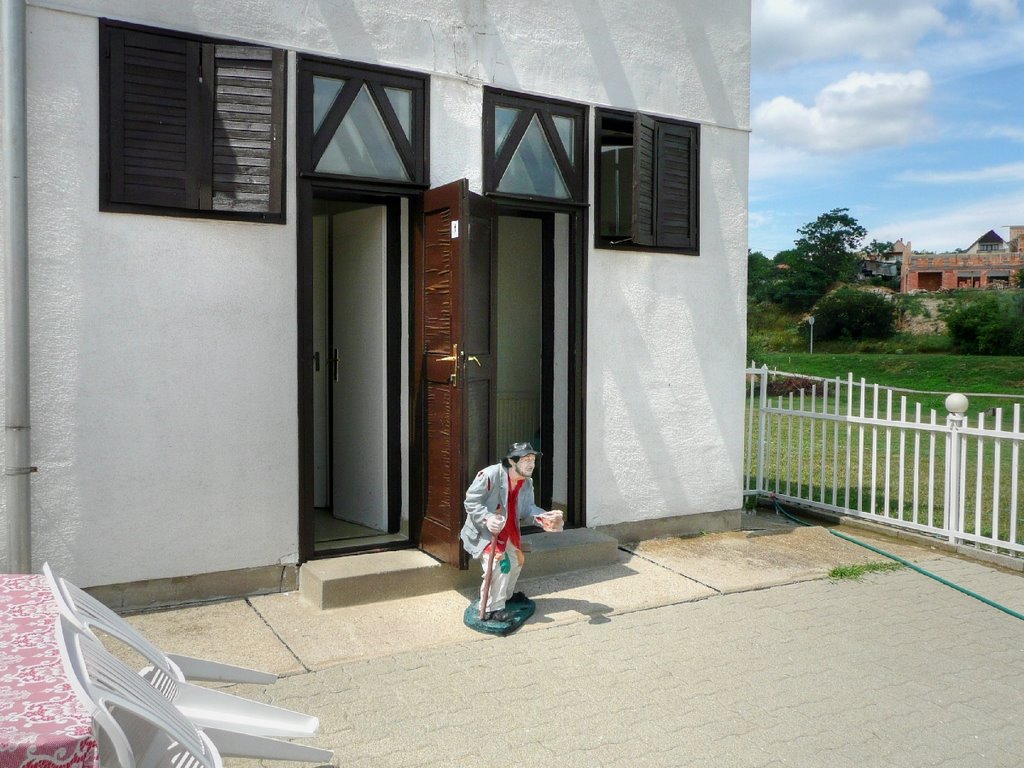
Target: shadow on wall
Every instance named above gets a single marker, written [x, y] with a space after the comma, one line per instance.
[609, 68]
[663, 420]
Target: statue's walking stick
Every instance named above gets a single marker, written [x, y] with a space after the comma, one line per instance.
[489, 575]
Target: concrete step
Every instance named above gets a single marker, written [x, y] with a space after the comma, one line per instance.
[380, 576]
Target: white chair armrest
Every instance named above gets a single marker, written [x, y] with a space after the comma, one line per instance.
[215, 709]
[218, 672]
[233, 744]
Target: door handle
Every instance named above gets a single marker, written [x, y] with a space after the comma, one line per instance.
[475, 359]
[316, 361]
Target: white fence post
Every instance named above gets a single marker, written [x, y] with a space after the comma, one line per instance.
[761, 436]
[953, 521]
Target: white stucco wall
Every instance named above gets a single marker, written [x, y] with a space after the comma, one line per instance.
[163, 349]
[666, 336]
[162, 358]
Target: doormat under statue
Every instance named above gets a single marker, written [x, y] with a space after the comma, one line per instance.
[521, 610]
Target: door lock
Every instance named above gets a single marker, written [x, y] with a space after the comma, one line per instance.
[453, 378]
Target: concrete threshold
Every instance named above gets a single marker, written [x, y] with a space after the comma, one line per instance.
[382, 576]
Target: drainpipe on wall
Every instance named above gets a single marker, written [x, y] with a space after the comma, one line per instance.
[17, 469]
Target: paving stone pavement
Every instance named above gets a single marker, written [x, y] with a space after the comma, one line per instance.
[893, 670]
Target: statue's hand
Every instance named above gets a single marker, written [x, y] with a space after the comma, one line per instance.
[494, 523]
[551, 521]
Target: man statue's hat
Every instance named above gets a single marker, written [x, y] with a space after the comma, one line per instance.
[518, 450]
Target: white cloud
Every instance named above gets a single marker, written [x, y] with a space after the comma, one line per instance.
[991, 174]
[955, 227]
[861, 111]
[1011, 132]
[788, 32]
[769, 162]
[1004, 10]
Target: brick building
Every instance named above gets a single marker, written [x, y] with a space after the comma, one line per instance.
[990, 262]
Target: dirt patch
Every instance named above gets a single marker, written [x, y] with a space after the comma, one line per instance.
[926, 321]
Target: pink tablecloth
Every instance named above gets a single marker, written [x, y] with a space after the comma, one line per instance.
[43, 724]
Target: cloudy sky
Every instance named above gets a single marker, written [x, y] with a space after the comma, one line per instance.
[908, 112]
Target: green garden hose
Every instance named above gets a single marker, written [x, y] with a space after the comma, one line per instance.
[907, 563]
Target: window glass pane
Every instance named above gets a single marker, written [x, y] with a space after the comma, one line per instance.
[533, 170]
[616, 204]
[564, 125]
[401, 102]
[504, 119]
[325, 91]
[362, 145]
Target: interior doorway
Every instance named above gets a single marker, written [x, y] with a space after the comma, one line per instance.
[368, 390]
[357, 369]
[532, 345]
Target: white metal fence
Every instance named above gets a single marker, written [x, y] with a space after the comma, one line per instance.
[861, 449]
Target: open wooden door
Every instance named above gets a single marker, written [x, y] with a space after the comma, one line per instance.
[455, 332]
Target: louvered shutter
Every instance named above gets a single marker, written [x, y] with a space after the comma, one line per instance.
[644, 166]
[248, 112]
[191, 125]
[676, 186]
[152, 142]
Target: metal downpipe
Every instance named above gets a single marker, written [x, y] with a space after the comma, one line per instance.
[17, 459]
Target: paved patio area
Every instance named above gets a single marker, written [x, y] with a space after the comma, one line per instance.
[728, 649]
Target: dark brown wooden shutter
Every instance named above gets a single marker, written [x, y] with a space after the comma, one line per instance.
[644, 166]
[191, 125]
[153, 88]
[676, 189]
[248, 119]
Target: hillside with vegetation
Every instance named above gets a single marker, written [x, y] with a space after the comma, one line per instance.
[818, 278]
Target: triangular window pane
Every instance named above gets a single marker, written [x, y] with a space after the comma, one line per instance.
[325, 91]
[504, 119]
[564, 126]
[533, 170]
[362, 145]
[401, 102]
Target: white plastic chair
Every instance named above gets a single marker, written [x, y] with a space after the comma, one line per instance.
[88, 610]
[205, 707]
[129, 713]
[133, 715]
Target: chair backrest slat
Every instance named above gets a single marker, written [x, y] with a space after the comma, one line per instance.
[91, 613]
[114, 689]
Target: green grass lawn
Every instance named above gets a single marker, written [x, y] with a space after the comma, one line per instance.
[941, 373]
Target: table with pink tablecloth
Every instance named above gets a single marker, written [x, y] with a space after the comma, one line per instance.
[43, 723]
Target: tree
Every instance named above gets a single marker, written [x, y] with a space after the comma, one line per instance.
[850, 313]
[825, 253]
[878, 248]
[830, 243]
[760, 275]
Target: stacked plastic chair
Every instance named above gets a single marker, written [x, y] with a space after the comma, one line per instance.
[82, 607]
[236, 726]
[141, 727]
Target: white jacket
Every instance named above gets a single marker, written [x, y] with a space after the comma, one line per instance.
[487, 491]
